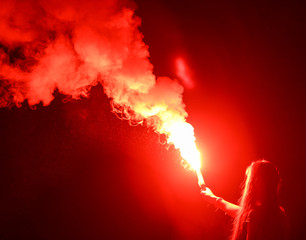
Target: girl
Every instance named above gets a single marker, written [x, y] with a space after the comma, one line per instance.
[259, 215]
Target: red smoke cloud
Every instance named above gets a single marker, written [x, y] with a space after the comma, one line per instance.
[73, 45]
[70, 46]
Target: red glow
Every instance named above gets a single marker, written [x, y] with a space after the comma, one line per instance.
[183, 73]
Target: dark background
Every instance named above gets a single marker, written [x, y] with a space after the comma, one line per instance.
[73, 170]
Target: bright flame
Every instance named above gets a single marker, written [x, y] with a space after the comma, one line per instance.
[182, 136]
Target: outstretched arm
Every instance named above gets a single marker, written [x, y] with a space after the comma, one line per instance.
[227, 207]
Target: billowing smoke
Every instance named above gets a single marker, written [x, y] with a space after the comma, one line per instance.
[70, 46]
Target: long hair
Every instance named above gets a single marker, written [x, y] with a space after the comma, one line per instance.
[260, 189]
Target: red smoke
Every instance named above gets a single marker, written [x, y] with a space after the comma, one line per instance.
[73, 45]
[70, 45]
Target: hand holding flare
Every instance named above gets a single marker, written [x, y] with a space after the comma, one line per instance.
[208, 196]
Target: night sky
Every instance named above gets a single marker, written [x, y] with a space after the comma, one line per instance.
[73, 170]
